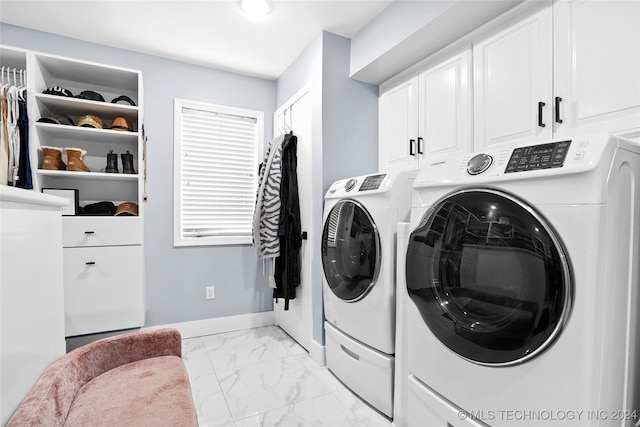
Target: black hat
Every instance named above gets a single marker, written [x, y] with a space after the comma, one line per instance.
[58, 119]
[100, 208]
[59, 91]
[90, 95]
[124, 98]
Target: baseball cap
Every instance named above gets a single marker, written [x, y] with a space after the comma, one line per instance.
[127, 209]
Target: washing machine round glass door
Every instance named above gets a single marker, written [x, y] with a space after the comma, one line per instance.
[489, 277]
[350, 250]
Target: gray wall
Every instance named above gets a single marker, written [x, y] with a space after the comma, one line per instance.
[349, 116]
[176, 277]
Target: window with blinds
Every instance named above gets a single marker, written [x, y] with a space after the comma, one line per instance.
[216, 155]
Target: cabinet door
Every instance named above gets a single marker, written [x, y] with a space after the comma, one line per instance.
[597, 66]
[444, 121]
[102, 290]
[513, 77]
[398, 127]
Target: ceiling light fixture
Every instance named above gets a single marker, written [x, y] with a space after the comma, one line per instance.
[255, 8]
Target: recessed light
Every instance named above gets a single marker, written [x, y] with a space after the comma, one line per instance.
[255, 8]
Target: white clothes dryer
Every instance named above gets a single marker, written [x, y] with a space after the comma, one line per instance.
[523, 275]
[358, 257]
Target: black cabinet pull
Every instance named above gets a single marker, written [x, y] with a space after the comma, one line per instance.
[90, 263]
[420, 145]
[412, 143]
[304, 235]
[558, 101]
[89, 232]
[540, 105]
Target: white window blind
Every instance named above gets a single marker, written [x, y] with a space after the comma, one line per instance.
[217, 151]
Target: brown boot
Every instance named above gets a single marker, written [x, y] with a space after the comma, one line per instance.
[75, 157]
[52, 159]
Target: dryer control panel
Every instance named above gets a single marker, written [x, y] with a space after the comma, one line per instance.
[535, 157]
[372, 182]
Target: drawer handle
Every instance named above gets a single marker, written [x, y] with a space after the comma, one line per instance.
[89, 232]
[350, 353]
[90, 263]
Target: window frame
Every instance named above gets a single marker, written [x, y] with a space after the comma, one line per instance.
[178, 239]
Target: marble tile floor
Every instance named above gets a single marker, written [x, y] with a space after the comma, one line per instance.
[262, 377]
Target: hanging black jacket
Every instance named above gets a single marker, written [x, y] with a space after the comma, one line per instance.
[287, 272]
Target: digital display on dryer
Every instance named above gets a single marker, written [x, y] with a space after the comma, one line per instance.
[536, 157]
[372, 182]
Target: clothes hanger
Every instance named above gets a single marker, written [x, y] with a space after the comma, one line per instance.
[287, 127]
[22, 91]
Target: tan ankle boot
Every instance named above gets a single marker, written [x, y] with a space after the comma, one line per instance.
[52, 159]
[75, 157]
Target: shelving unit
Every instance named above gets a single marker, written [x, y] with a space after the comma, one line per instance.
[103, 269]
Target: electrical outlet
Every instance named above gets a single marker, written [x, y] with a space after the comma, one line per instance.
[210, 293]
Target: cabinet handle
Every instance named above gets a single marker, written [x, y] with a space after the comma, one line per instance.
[540, 105]
[89, 232]
[558, 101]
[412, 143]
[90, 263]
[420, 145]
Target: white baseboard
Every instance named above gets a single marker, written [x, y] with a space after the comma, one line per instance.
[198, 328]
[317, 353]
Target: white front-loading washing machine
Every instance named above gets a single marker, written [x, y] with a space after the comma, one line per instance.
[522, 275]
[358, 257]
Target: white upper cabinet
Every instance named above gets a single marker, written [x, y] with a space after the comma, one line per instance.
[426, 116]
[597, 66]
[445, 108]
[513, 83]
[399, 127]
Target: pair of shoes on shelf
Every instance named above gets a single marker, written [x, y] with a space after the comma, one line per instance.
[52, 159]
[112, 163]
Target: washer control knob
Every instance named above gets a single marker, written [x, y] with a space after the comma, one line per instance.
[479, 163]
[350, 184]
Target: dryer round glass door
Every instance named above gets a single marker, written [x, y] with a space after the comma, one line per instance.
[489, 277]
[350, 250]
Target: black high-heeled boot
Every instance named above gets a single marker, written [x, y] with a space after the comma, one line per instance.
[127, 163]
[112, 162]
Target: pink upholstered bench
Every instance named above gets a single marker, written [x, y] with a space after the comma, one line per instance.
[136, 379]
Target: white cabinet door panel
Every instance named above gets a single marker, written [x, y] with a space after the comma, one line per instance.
[398, 125]
[512, 75]
[597, 66]
[102, 290]
[445, 123]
